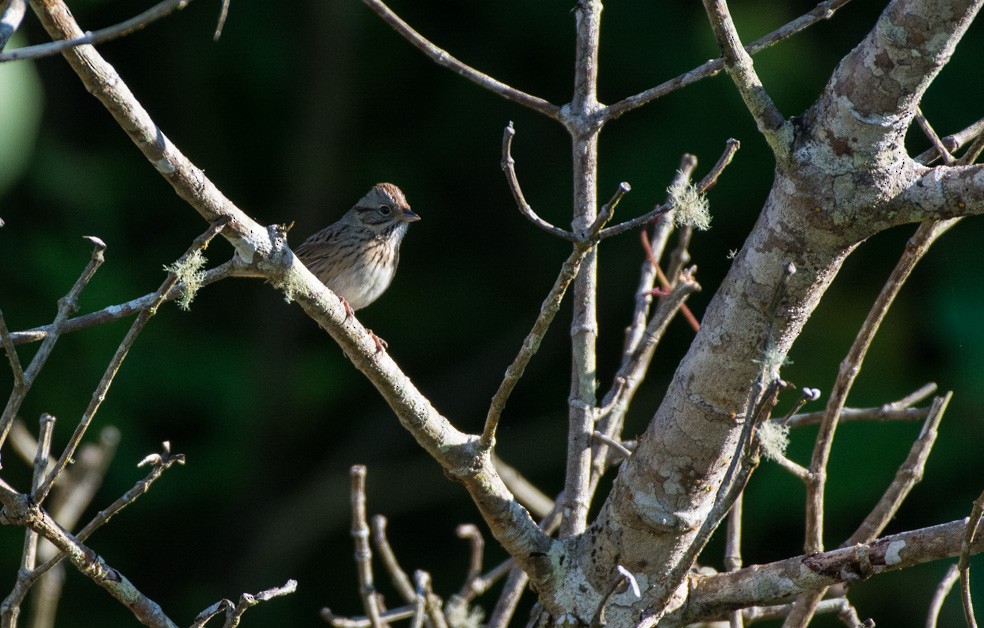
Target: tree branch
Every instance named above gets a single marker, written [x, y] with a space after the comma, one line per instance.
[20, 510]
[823, 11]
[39, 494]
[363, 554]
[731, 147]
[265, 249]
[953, 142]
[233, 268]
[442, 58]
[549, 309]
[872, 96]
[738, 62]
[509, 168]
[942, 192]
[766, 584]
[894, 411]
[579, 121]
[909, 474]
[67, 305]
[135, 23]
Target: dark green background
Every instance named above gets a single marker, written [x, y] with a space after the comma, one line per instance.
[294, 113]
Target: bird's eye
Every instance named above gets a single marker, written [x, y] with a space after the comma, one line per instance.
[385, 210]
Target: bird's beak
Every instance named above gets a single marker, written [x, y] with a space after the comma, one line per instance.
[409, 216]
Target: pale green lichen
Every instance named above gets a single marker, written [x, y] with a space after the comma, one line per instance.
[774, 438]
[461, 615]
[773, 360]
[293, 286]
[690, 206]
[190, 277]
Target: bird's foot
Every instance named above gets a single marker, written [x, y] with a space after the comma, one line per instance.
[381, 345]
[349, 312]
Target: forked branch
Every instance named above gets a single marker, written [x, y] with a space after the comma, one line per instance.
[738, 62]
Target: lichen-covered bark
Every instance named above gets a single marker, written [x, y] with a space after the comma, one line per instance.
[846, 178]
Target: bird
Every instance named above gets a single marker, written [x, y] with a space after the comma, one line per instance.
[356, 257]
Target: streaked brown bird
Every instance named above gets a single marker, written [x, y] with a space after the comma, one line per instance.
[357, 256]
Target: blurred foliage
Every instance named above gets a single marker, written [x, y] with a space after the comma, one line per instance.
[294, 114]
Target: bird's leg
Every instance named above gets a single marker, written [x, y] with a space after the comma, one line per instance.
[349, 312]
[381, 345]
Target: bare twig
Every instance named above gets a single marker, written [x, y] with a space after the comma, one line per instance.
[432, 603]
[915, 249]
[505, 606]
[548, 310]
[925, 235]
[509, 168]
[484, 582]
[444, 59]
[710, 179]
[72, 495]
[122, 29]
[67, 305]
[419, 613]
[823, 11]
[233, 268]
[621, 449]
[738, 63]
[933, 138]
[582, 398]
[631, 372]
[963, 565]
[114, 365]
[161, 462]
[732, 552]
[607, 211]
[471, 533]
[975, 150]
[223, 14]
[11, 607]
[909, 473]
[78, 485]
[895, 411]
[731, 147]
[953, 142]
[807, 394]
[939, 596]
[654, 246]
[732, 541]
[532, 498]
[389, 617]
[11, 351]
[235, 611]
[21, 510]
[679, 258]
[841, 606]
[398, 576]
[363, 554]
[247, 601]
[794, 468]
